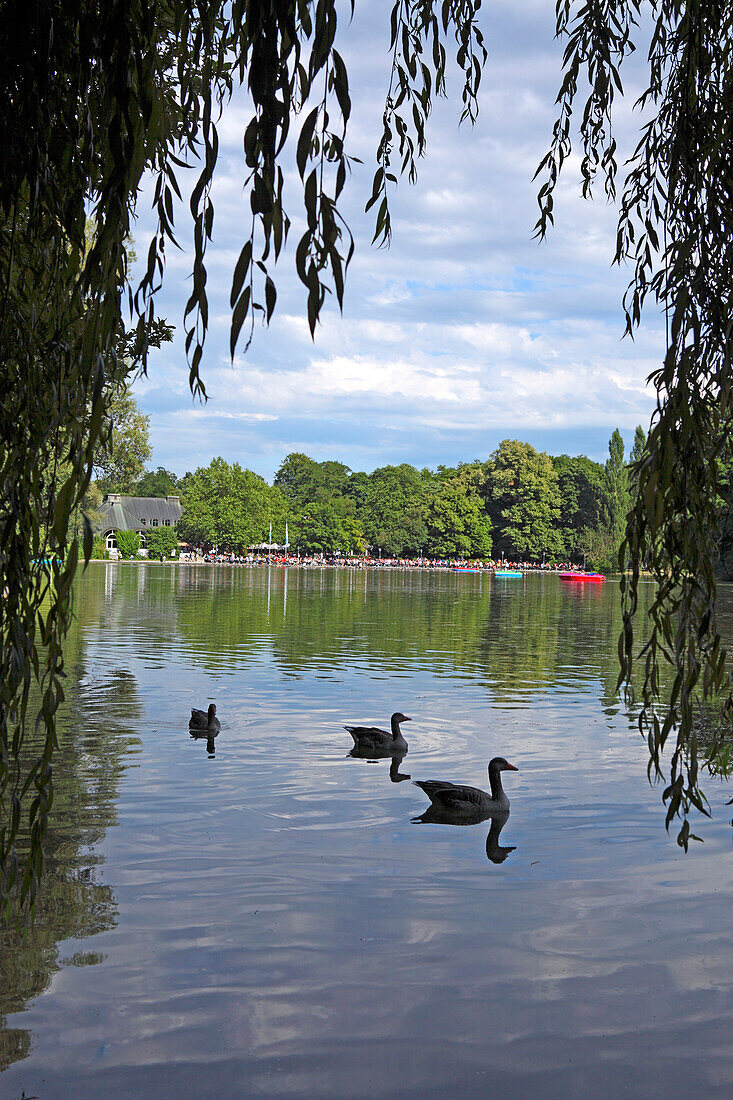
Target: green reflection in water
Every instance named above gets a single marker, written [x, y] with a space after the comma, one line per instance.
[529, 635]
[73, 900]
[310, 618]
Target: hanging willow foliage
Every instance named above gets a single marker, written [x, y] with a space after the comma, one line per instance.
[675, 228]
[93, 94]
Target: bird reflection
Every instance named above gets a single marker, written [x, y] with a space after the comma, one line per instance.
[440, 815]
[394, 770]
[395, 759]
[208, 736]
[495, 851]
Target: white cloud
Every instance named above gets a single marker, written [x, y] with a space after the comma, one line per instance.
[465, 328]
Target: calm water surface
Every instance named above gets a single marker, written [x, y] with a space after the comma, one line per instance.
[268, 921]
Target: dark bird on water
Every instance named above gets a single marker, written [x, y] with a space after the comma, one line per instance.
[453, 798]
[370, 739]
[204, 720]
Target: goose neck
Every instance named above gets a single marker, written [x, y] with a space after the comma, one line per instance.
[497, 791]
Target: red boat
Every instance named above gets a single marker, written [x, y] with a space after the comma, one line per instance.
[596, 578]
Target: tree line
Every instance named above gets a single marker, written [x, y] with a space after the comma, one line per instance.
[517, 503]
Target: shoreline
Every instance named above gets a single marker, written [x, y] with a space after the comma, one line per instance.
[383, 566]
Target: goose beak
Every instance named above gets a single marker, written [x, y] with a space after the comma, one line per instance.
[511, 768]
[406, 719]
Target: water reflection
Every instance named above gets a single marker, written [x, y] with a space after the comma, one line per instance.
[395, 758]
[209, 738]
[441, 815]
[496, 852]
[73, 901]
[532, 637]
[280, 921]
[394, 770]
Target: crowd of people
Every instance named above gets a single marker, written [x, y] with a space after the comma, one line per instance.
[365, 562]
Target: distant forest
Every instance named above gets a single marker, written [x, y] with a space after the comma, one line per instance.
[519, 503]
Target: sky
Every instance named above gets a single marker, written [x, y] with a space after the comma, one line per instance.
[465, 332]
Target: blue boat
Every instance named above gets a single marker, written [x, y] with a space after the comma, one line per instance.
[508, 573]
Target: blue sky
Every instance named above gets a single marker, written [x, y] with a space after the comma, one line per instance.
[465, 332]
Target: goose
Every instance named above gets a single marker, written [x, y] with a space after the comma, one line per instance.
[204, 720]
[452, 798]
[370, 739]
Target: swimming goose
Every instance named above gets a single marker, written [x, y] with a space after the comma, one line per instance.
[456, 799]
[204, 720]
[372, 739]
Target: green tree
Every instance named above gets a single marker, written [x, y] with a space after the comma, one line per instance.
[523, 501]
[301, 479]
[87, 512]
[580, 483]
[333, 479]
[296, 476]
[600, 548]
[725, 515]
[639, 445]
[393, 510]
[356, 489]
[617, 496]
[229, 508]
[326, 527]
[156, 483]
[128, 543]
[121, 459]
[638, 451]
[456, 519]
[161, 541]
[601, 538]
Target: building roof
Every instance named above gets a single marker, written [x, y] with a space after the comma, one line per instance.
[126, 513]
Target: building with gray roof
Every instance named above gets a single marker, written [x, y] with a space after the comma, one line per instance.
[140, 514]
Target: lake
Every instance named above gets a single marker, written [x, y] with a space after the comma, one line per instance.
[269, 921]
